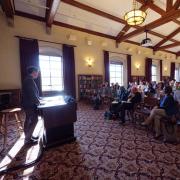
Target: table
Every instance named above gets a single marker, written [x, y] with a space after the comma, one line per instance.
[58, 116]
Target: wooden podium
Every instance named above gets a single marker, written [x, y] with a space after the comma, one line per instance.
[59, 117]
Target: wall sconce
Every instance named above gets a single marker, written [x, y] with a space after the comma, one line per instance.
[165, 69]
[89, 62]
[137, 66]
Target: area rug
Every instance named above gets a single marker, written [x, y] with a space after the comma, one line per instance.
[104, 150]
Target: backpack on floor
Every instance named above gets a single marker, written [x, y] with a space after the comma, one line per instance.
[107, 115]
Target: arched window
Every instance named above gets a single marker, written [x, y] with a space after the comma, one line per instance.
[118, 68]
[51, 66]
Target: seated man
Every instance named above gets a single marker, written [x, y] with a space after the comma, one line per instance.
[129, 105]
[96, 101]
[122, 96]
[167, 108]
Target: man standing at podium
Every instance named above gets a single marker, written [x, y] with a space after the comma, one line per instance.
[30, 101]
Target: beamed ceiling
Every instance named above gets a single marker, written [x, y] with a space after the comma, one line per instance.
[105, 18]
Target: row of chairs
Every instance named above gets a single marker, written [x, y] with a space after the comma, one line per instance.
[142, 110]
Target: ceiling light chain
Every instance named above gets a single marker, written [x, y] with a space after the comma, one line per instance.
[135, 16]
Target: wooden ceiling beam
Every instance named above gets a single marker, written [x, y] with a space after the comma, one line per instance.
[83, 30]
[166, 18]
[125, 29]
[176, 4]
[41, 19]
[51, 11]
[153, 7]
[9, 11]
[167, 38]
[159, 10]
[168, 46]
[8, 8]
[178, 53]
[93, 10]
[169, 5]
[106, 15]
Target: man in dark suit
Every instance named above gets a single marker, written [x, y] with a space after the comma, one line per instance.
[133, 99]
[167, 107]
[30, 101]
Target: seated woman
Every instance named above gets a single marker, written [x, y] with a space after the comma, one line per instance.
[167, 108]
[129, 105]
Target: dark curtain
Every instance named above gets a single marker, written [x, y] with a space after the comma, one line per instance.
[160, 64]
[106, 67]
[29, 56]
[172, 73]
[128, 68]
[148, 66]
[69, 70]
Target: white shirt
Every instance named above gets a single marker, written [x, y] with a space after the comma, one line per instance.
[177, 96]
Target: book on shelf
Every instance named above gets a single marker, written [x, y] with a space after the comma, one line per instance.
[88, 85]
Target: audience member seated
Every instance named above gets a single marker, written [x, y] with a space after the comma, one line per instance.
[177, 93]
[167, 108]
[133, 99]
[159, 90]
[122, 96]
[172, 83]
[96, 101]
[149, 90]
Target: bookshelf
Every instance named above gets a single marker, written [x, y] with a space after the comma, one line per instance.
[88, 85]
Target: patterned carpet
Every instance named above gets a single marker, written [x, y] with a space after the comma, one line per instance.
[104, 150]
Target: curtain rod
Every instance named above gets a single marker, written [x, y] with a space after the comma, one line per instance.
[118, 53]
[22, 37]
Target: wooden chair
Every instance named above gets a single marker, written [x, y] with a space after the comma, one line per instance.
[171, 127]
[5, 115]
[143, 110]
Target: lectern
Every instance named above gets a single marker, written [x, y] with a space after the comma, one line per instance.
[58, 116]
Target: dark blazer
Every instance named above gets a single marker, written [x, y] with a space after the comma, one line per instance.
[169, 106]
[30, 93]
[136, 98]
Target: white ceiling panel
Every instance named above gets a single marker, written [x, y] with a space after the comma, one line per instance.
[140, 37]
[167, 43]
[114, 7]
[151, 16]
[167, 28]
[78, 17]
[177, 37]
[130, 30]
[161, 4]
[174, 49]
[35, 7]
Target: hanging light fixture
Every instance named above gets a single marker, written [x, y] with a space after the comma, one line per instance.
[147, 42]
[135, 16]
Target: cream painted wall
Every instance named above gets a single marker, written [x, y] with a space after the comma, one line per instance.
[9, 50]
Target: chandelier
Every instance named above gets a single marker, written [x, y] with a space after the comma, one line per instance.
[135, 16]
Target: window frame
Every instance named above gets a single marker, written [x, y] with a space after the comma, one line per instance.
[154, 75]
[178, 74]
[116, 63]
[52, 92]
